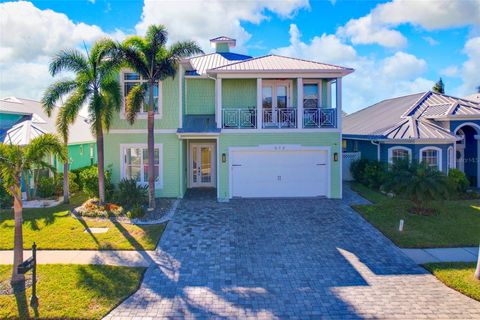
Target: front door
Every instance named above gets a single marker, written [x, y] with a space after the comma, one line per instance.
[202, 169]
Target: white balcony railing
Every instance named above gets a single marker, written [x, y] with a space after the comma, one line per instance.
[279, 118]
[319, 118]
[239, 118]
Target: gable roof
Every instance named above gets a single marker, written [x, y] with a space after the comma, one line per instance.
[39, 122]
[276, 63]
[409, 117]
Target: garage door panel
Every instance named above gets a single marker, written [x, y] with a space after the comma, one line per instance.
[279, 173]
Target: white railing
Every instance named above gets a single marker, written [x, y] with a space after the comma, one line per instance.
[320, 118]
[279, 118]
[239, 118]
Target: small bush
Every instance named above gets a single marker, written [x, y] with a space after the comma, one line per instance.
[92, 209]
[458, 181]
[368, 172]
[72, 184]
[46, 187]
[6, 200]
[89, 181]
[136, 212]
[130, 194]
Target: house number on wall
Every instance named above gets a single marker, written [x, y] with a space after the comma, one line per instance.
[279, 147]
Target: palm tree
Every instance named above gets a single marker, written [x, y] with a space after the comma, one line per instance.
[154, 62]
[95, 85]
[17, 160]
[62, 122]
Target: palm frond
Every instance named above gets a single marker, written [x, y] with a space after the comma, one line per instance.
[43, 145]
[134, 102]
[156, 36]
[68, 60]
[54, 92]
[135, 59]
[184, 49]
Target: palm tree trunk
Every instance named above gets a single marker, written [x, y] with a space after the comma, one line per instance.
[27, 184]
[66, 189]
[18, 236]
[151, 148]
[101, 164]
[477, 270]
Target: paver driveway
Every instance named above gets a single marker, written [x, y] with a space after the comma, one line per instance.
[297, 258]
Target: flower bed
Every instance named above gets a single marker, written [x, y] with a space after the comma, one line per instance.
[91, 208]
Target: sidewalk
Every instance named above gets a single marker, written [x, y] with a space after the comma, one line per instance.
[420, 256]
[114, 258]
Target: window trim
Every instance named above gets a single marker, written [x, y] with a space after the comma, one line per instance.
[439, 167]
[274, 84]
[451, 158]
[140, 115]
[159, 146]
[391, 149]
[319, 84]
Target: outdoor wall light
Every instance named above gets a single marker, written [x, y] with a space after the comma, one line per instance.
[224, 158]
[335, 156]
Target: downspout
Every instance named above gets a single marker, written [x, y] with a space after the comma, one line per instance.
[377, 143]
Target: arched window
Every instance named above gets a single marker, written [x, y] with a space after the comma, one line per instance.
[432, 156]
[398, 153]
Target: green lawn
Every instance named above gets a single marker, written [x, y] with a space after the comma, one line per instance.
[72, 291]
[458, 276]
[456, 223]
[54, 228]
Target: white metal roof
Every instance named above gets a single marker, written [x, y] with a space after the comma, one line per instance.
[40, 122]
[202, 63]
[275, 63]
[22, 133]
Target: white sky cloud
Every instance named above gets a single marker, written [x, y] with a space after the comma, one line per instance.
[470, 70]
[373, 79]
[202, 20]
[450, 71]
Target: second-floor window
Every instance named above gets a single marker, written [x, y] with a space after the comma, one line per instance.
[130, 80]
[310, 96]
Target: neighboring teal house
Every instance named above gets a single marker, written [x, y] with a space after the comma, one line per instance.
[248, 127]
[440, 130]
[22, 120]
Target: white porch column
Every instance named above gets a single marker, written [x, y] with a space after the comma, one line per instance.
[477, 137]
[299, 103]
[339, 102]
[218, 102]
[259, 103]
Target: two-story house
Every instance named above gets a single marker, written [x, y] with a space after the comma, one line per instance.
[250, 127]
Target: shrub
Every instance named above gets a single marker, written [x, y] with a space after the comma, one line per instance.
[368, 172]
[46, 187]
[419, 183]
[92, 209]
[6, 200]
[458, 181]
[72, 184]
[136, 212]
[130, 194]
[89, 181]
[77, 175]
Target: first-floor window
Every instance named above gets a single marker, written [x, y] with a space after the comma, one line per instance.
[136, 164]
[400, 155]
[431, 158]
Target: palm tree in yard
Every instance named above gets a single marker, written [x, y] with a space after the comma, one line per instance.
[95, 85]
[17, 160]
[154, 62]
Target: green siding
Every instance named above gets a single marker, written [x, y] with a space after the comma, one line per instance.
[330, 139]
[222, 47]
[170, 117]
[239, 93]
[200, 96]
[171, 159]
[77, 157]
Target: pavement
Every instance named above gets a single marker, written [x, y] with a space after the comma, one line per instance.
[421, 256]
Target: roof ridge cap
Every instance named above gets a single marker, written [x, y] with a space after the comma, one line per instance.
[415, 104]
[237, 62]
[312, 61]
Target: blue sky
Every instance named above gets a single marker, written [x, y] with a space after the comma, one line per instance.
[397, 47]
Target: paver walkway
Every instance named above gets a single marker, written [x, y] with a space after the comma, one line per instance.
[295, 259]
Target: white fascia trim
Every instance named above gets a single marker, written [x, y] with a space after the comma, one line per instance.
[420, 141]
[198, 136]
[261, 131]
[81, 142]
[390, 153]
[159, 146]
[432, 148]
[278, 74]
[456, 117]
[138, 131]
[281, 147]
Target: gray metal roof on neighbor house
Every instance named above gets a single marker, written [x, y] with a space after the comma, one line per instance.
[205, 62]
[275, 63]
[410, 117]
[473, 97]
[40, 122]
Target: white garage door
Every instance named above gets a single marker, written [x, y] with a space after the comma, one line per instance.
[272, 173]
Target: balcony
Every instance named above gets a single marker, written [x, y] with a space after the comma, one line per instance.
[284, 118]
